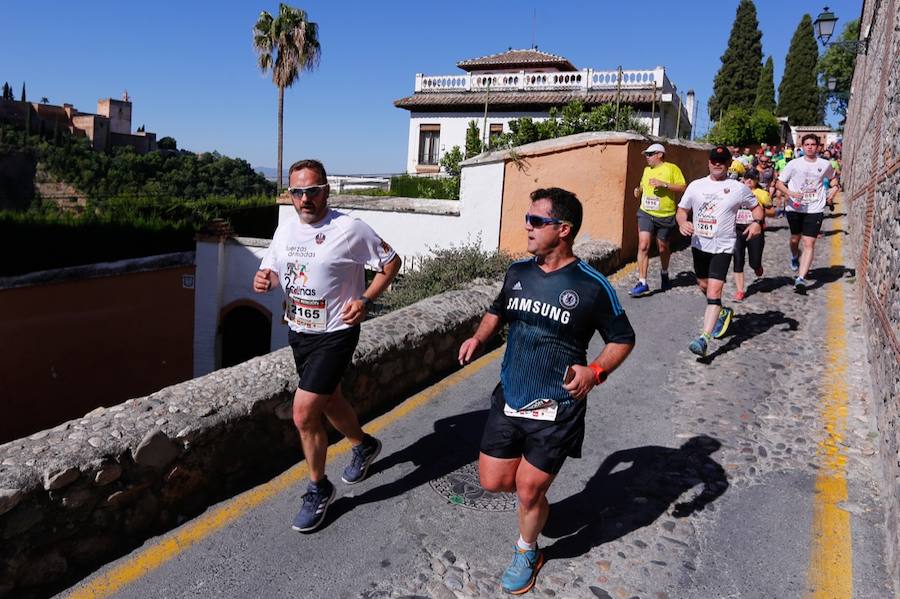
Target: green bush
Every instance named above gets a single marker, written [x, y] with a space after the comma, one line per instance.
[448, 268]
[408, 186]
[742, 127]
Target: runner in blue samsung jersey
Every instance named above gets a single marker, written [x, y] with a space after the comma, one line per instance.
[553, 303]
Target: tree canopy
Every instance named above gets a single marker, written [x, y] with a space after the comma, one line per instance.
[742, 127]
[840, 63]
[799, 97]
[286, 45]
[571, 120]
[736, 82]
[765, 90]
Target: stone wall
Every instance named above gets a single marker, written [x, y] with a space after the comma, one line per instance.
[872, 197]
[88, 490]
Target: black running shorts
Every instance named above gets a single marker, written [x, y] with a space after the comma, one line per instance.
[657, 225]
[754, 248]
[807, 224]
[710, 266]
[322, 358]
[544, 444]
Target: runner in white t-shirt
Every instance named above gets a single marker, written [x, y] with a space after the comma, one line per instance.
[714, 202]
[802, 183]
[318, 259]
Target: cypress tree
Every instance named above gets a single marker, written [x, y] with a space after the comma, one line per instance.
[7, 92]
[765, 91]
[735, 83]
[23, 92]
[798, 93]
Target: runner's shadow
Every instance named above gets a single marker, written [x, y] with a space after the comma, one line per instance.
[768, 284]
[833, 232]
[828, 274]
[682, 279]
[618, 500]
[748, 325]
[453, 444]
[770, 229]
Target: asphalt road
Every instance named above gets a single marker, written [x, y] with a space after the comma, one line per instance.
[698, 478]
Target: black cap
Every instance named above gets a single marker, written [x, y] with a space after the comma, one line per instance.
[720, 154]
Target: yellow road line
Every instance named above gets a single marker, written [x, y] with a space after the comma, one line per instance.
[159, 552]
[831, 558]
[623, 272]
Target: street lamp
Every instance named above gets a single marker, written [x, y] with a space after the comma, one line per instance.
[824, 28]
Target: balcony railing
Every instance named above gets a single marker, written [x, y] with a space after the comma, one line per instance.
[585, 79]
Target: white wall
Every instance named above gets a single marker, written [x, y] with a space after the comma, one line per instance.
[453, 128]
[224, 275]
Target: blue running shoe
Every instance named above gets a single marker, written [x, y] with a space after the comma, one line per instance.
[722, 323]
[795, 263]
[316, 500]
[521, 573]
[639, 290]
[363, 456]
[664, 283]
[698, 346]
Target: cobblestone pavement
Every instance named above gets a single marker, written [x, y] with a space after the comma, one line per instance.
[660, 533]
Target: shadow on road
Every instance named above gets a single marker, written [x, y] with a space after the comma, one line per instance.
[617, 501]
[828, 274]
[453, 444]
[682, 279]
[748, 325]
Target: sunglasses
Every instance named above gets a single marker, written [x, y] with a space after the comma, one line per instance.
[539, 221]
[310, 192]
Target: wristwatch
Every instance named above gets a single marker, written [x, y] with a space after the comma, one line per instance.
[366, 301]
[759, 221]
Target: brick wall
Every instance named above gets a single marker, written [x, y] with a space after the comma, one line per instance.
[872, 197]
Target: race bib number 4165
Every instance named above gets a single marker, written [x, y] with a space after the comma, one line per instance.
[307, 314]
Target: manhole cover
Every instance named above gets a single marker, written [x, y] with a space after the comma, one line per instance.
[461, 487]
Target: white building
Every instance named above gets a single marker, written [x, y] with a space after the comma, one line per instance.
[528, 83]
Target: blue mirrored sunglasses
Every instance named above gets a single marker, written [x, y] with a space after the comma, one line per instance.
[311, 191]
[539, 221]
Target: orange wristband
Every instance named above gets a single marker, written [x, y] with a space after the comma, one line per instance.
[600, 375]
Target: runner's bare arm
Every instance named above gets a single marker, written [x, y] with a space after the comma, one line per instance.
[754, 229]
[833, 188]
[610, 358]
[490, 324]
[355, 310]
[684, 224]
[780, 186]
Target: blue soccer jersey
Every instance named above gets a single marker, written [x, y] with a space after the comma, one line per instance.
[552, 317]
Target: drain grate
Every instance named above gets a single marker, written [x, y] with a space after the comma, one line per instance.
[461, 487]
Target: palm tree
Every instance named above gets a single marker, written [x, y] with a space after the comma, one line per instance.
[287, 45]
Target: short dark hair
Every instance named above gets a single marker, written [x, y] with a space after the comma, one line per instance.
[313, 165]
[809, 136]
[563, 205]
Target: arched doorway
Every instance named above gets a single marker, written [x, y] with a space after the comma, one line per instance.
[246, 333]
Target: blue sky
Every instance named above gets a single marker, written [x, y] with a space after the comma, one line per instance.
[191, 70]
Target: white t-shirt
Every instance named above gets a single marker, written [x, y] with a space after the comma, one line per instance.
[320, 267]
[715, 205]
[807, 176]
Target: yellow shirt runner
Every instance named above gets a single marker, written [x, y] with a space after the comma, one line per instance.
[659, 201]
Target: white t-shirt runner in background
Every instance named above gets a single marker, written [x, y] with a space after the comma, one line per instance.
[715, 205]
[321, 268]
[807, 176]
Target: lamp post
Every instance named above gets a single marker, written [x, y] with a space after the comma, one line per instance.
[824, 28]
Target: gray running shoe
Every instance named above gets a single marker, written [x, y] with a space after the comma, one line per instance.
[363, 456]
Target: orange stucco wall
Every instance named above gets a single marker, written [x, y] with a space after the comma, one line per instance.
[602, 175]
[68, 347]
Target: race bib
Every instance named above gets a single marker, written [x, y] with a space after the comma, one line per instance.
[744, 217]
[706, 226]
[650, 203]
[309, 314]
[539, 409]
[809, 197]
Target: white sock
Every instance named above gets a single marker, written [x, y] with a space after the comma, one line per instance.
[522, 544]
[642, 281]
[664, 272]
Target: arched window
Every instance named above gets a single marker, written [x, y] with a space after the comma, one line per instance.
[246, 331]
